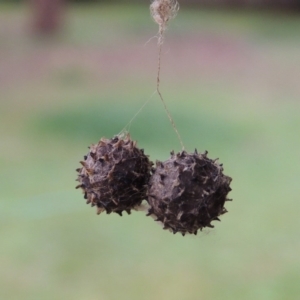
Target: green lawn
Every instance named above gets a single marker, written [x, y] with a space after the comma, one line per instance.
[231, 81]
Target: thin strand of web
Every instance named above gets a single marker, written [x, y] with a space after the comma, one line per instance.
[128, 125]
[162, 99]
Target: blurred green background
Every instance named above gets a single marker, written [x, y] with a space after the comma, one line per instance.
[231, 81]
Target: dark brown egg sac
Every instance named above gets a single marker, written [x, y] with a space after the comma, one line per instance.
[114, 175]
[187, 192]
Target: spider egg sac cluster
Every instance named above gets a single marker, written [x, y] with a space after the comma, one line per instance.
[186, 193]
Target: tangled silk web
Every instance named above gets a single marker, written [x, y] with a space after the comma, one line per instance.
[162, 11]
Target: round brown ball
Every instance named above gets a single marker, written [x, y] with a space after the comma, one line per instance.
[187, 192]
[114, 175]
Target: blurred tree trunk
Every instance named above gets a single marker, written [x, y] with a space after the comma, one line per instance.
[47, 15]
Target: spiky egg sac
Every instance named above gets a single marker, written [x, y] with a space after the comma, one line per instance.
[187, 192]
[114, 175]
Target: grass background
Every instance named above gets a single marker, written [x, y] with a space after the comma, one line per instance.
[231, 81]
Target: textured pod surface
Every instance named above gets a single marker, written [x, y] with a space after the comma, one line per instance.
[114, 175]
[187, 192]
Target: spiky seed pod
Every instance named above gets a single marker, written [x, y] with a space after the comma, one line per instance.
[187, 192]
[114, 175]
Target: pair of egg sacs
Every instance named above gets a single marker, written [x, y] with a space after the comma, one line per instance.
[186, 192]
